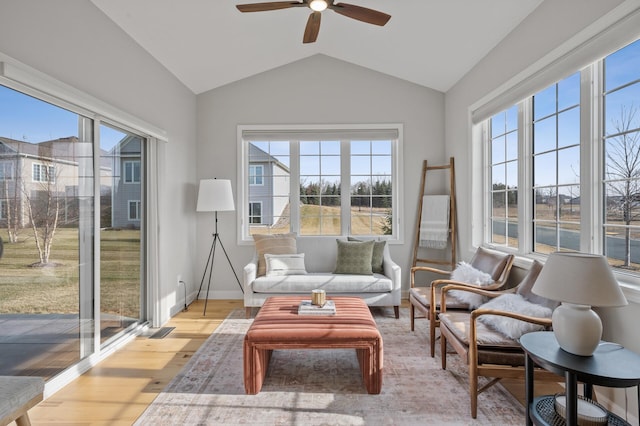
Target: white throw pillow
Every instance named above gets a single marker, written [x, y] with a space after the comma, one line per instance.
[285, 264]
[466, 273]
[511, 327]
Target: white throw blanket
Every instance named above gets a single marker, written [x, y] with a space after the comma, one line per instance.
[434, 223]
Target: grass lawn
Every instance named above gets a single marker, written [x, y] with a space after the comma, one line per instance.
[54, 289]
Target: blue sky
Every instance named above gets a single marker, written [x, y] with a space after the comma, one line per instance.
[28, 119]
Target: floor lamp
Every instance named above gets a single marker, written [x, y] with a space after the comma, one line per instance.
[215, 195]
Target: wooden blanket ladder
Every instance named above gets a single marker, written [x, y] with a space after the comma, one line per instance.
[451, 261]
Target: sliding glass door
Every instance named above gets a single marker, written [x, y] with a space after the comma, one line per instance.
[121, 224]
[71, 223]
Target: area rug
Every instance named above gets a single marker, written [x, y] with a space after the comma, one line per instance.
[324, 387]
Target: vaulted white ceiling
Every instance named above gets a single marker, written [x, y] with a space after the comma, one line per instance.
[209, 43]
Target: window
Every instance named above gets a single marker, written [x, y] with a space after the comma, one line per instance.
[255, 212]
[132, 171]
[3, 209]
[578, 155]
[6, 170]
[42, 173]
[504, 178]
[256, 174]
[556, 166]
[320, 181]
[134, 210]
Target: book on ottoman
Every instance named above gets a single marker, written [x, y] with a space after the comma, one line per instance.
[307, 308]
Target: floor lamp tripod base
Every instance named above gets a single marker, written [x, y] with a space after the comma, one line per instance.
[208, 269]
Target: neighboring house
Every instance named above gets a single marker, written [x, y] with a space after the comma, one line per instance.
[269, 185]
[126, 164]
[27, 169]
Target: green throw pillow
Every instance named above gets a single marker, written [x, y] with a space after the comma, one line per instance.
[377, 257]
[354, 257]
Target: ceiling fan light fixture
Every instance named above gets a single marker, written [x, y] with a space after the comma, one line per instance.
[318, 5]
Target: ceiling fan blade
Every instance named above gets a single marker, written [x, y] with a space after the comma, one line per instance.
[313, 28]
[360, 13]
[263, 7]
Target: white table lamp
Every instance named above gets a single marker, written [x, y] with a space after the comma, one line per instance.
[579, 281]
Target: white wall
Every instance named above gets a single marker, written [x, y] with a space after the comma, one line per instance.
[73, 42]
[549, 26]
[315, 90]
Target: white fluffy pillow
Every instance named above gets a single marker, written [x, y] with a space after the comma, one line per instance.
[285, 264]
[466, 273]
[511, 327]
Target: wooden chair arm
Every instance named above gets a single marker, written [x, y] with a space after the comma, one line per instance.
[425, 269]
[546, 322]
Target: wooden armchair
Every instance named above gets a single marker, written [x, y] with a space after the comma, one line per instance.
[488, 352]
[427, 299]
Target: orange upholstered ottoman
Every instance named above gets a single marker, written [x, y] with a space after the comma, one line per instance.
[278, 326]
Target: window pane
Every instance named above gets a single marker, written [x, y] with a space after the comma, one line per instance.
[623, 66]
[570, 201]
[310, 165]
[512, 174]
[498, 176]
[512, 119]
[45, 278]
[569, 165]
[569, 128]
[498, 124]
[544, 169]
[622, 246]
[498, 148]
[544, 103]
[500, 204]
[545, 199]
[622, 109]
[498, 232]
[120, 246]
[545, 238]
[512, 146]
[544, 135]
[569, 92]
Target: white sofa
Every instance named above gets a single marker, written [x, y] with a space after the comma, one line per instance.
[375, 290]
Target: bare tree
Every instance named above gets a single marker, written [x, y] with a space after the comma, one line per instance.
[623, 171]
[43, 208]
[12, 206]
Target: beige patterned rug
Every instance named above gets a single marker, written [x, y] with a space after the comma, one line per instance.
[324, 387]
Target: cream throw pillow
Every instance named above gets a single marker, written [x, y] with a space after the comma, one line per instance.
[285, 264]
[273, 244]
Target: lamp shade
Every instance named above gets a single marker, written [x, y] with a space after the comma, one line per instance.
[215, 195]
[579, 278]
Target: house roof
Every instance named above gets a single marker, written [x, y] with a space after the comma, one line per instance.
[208, 44]
[62, 149]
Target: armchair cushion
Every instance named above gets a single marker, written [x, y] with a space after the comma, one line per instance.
[466, 273]
[524, 288]
[511, 327]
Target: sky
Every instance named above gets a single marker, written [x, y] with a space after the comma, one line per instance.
[28, 119]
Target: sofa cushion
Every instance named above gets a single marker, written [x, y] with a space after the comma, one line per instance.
[273, 244]
[331, 283]
[285, 264]
[377, 256]
[354, 257]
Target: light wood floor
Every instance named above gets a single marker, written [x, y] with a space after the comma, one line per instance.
[119, 389]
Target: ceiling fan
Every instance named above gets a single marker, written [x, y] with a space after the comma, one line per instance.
[312, 29]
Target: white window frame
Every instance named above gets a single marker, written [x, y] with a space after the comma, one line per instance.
[582, 53]
[254, 175]
[397, 236]
[49, 174]
[132, 164]
[254, 215]
[138, 205]
[4, 165]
